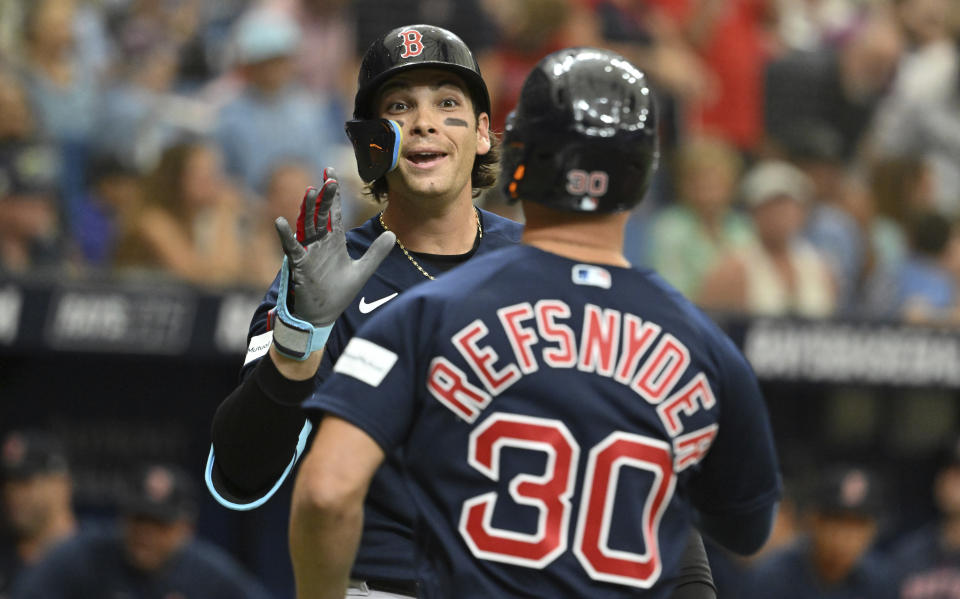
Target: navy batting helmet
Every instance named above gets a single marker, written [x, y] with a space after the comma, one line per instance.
[417, 46]
[376, 142]
[583, 135]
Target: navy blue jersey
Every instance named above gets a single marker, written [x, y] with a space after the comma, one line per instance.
[10, 565]
[925, 567]
[789, 574]
[386, 549]
[557, 423]
[93, 565]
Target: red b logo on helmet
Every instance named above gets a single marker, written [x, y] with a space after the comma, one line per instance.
[412, 44]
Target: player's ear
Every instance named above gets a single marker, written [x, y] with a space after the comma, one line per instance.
[483, 133]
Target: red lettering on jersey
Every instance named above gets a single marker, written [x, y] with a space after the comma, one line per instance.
[481, 360]
[687, 400]
[521, 338]
[564, 355]
[662, 369]
[412, 43]
[449, 385]
[549, 493]
[637, 338]
[600, 340]
[607, 459]
[691, 448]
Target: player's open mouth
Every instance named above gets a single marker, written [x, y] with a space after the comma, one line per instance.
[425, 159]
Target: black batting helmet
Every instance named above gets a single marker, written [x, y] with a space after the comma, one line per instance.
[417, 46]
[583, 135]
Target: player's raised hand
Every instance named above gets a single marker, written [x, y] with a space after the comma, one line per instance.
[325, 279]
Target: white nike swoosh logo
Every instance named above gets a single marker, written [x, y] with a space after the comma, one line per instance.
[366, 308]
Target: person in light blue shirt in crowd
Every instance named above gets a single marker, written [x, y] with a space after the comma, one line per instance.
[927, 291]
[272, 119]
[143, 113]
[64, 91]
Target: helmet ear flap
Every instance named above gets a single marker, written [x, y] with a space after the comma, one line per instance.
[532, 171]
[512, 169]
[376, 145]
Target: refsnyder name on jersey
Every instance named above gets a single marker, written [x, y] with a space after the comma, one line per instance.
[611, 344]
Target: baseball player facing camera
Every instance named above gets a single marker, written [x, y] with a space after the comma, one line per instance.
[560, 417]
[422, 139]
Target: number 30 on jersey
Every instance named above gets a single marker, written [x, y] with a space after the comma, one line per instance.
[550, 493]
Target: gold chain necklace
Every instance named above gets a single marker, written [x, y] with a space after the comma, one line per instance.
[411, 259]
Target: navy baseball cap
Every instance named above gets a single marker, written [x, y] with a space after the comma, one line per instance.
[848, 491]
[28, 453]
[160, 492]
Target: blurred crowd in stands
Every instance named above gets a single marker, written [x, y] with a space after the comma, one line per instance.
[810, 162]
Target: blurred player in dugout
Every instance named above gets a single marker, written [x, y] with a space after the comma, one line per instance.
[37, 509]
[834, 559]
[423, 143]
[928, 561]
[562, 417]
[150, 552]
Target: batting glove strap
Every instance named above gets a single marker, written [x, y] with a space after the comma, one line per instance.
[293, 337]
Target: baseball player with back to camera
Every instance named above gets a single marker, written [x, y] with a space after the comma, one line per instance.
[419, 84]
[561, 416]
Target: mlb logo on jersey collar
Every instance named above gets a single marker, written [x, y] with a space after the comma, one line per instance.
[588, 274]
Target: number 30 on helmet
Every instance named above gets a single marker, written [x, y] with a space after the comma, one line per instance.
[583, 135]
